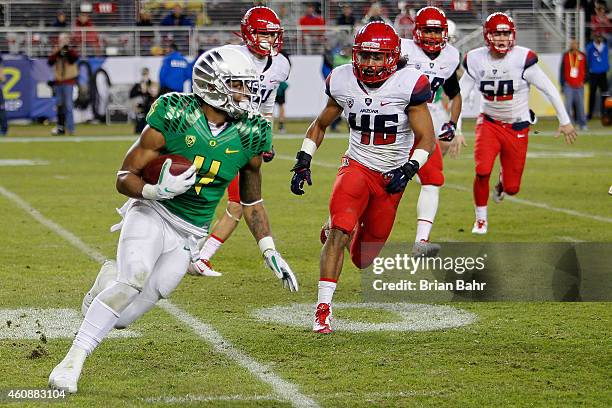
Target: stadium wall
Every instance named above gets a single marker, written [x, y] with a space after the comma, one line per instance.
[27, 94]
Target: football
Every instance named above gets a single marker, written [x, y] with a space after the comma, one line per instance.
[150, 173]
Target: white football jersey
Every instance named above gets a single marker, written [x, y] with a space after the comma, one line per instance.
[439, 69]
[505, 92]
[273, 70]
[380, 134]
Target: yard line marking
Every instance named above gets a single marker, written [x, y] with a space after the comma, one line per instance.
[530, 203]
[189, 398]
[570, 239]
[542, 205]
[59, 230]
[284, 389]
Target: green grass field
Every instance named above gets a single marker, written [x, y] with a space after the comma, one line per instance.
[513, 354]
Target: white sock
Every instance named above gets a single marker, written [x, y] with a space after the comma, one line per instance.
[427, 207]
[481, 213]
[326, 291]
[98, 322]
[211, 246]
[423, 230]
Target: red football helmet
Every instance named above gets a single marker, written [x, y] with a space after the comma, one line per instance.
[261, 20]
[496, 23]
[430, 17]
[379, 38]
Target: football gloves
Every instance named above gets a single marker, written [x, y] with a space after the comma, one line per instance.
[202, 267]
[281, 269]
[301, 173]
[169, 186]
[398, 178]
[268, 156]
[448, 131]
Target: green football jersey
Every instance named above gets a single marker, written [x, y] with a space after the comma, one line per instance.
[178, 117]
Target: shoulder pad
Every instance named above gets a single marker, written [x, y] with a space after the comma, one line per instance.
[255, 133]
[174, 113]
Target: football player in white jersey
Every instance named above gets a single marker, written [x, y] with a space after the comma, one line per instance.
[391, 138]
[430, 53]
[262, 34]
[503, 74]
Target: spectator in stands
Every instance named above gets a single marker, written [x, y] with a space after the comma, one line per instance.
[92, 40]
[146, 90]
[375, 13]
[64, 60]
[346, 18]
[60, 20]
[598, 63]
[3, 120]
[174, 71]
[601, 23]
[572, 76]
[176, 18]
[404, 22]
[144, 19]
[311, 18]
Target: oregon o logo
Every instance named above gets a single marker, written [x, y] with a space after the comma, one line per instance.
[410, 316]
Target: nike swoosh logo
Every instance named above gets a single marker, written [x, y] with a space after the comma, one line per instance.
[228, 151]
[385, 103]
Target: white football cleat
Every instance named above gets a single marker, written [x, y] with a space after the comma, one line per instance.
[65, 375]
[498, 192]
[425, 249]
[480, 227]
[106, 276]
[322, 319]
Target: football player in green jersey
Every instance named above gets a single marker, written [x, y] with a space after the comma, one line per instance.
[219, 130]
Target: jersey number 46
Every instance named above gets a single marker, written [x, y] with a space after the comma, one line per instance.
[497, 90]
[383, 134]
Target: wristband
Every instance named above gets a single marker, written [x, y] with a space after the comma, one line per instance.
[309, 147]
[149, 192]
[420, 156]
[266, 243]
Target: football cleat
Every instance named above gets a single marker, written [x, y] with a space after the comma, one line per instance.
[322, 320]
[65, 375]
[106, 276]
[498, 192]
[480, 227]
[425, 249]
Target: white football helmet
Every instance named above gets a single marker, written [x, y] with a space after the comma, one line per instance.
[213, 73]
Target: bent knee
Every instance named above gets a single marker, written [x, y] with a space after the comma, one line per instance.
[135, 273]
[512, 189]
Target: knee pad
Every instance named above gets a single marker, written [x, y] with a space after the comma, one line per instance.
[118, 296]
[135, 274]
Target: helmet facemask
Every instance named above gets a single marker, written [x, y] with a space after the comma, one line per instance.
[372, 65]
[227, 80]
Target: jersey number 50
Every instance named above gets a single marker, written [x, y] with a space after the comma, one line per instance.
[497, 90]
[383, 134]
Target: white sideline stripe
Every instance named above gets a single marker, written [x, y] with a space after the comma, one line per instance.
[508, 198]
[284, 389]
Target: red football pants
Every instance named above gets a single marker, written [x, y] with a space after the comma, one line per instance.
[360, 203]
[511, 145]
[432, 172]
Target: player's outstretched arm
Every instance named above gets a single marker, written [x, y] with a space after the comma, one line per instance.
[256, 218]
[145, 149]
[425, 143]
[535, 76]
[312, 141]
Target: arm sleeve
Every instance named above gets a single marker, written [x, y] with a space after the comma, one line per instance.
[451, 86]
[535, 76]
